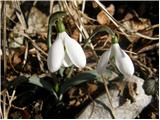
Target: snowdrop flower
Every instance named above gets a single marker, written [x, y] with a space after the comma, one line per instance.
[65, 51]
[122, 60]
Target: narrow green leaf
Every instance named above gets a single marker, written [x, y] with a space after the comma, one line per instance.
[41, 82]
[81, 78]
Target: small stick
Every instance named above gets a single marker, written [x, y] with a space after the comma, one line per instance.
[51, 7]
[146, 37]
[25, 54]
[12, 106]
[33, 43]
[20, 14]
[115, 22]
[149, 47]
[120, 26]
[82, 29]
[4, 37]
[109, 96]
[83, 8]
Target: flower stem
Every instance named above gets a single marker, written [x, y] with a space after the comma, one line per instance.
[114, 39]
[49, 35]
[70, 72]
[52, 21]
[60, 26]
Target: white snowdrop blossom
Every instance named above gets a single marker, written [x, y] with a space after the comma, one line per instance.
[122, 60]
[65, 51]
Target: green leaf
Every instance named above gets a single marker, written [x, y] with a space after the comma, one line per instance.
[42, 82]
[81, 78]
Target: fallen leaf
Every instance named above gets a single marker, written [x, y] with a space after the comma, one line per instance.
[16, 59]
[91, 88]
[75, 34]
[153, 115]
[94, 4]
[43, 46]
[135, 24]
[102, 18]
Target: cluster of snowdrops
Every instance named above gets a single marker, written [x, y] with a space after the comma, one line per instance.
[66, 51]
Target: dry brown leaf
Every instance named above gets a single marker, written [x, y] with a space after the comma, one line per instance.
[75, 34]
[102, 18]
[72, 102]
[32, 51]
[91, 88]
[94, 4]
[153, 115]
[135, 24]
[16, 59]
[43, 46]
[43, 35]
[128, 17]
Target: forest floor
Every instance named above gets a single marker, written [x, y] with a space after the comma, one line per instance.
[24, 30]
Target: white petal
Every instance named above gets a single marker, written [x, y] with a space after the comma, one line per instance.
[67, 62]
[103, 62]
[123, 61]
[75, 52]
[55, 55]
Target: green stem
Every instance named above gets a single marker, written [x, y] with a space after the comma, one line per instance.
[60, 26]
[49, 35]
[52, 21]
[70, 72]
[114, 39]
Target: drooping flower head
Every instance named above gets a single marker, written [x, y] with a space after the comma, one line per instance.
[65, 51]
[122, 60]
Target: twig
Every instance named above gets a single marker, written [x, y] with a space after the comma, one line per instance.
[144, 66]
[4, 37]
[33, 43]
[153, 26]
[51, 7]
[35, 2]
[10, 99]
[40, 62]
[18, 108]
[1, 114]
[145, 36]
[83, 31]
[25, 54]
[115, 22]
[149, 47]
[86, 35]
[11, 19]
[87, 17]
[4, 107]
[83, 8]
[19, 14]
[90, 97]
[120, 26]
[109, 96]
